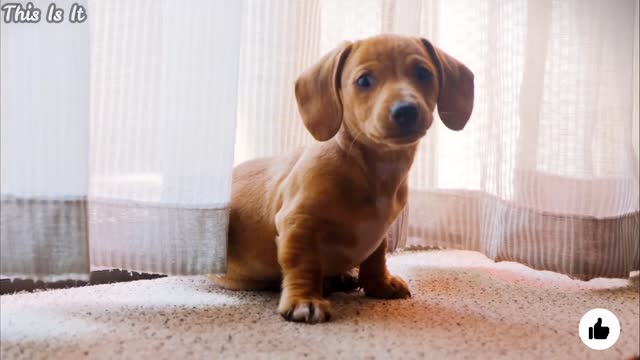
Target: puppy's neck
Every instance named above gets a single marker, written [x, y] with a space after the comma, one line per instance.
[386, 167]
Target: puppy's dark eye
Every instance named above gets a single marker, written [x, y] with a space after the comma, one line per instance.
[422, 74]
[365, 81]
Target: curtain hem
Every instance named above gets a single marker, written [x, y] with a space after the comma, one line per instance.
[44, 239]
[157, 239]
[580, 247]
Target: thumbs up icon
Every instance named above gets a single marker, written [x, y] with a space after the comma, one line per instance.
[598, 331]
[593, 332]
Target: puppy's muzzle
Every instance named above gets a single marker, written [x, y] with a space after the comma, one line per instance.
[408, 122]
[405, 116]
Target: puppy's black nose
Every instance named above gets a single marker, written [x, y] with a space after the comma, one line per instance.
[404, 114]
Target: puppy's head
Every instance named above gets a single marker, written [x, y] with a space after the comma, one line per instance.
[383, 90]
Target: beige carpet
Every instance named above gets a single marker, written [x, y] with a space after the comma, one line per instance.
[463, 306]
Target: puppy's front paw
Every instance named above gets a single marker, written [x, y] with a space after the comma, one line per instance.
[391, 287]
[308, 310]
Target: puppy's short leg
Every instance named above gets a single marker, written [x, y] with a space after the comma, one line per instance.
[376, 280]
[302, 280]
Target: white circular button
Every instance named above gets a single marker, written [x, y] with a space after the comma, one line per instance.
[599, 329]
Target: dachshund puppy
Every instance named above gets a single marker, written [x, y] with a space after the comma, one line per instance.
[299, 218]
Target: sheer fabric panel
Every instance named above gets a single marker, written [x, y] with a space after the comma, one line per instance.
[44, 149]
[164, 87]
[118, 139]
[555, 184]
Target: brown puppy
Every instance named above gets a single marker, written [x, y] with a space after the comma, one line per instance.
[323, 210]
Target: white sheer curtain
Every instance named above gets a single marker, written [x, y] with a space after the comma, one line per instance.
[118, 133]
[547, 163]
[44, 148]
[164, 86]
[546, 171]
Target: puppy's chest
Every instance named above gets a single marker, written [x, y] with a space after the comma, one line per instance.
[371, 227]
[361, 236]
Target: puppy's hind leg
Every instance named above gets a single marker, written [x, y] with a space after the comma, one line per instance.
[376, 280]
[344, 282]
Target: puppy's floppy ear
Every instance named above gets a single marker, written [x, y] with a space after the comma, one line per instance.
[317, 94]
[455, 96]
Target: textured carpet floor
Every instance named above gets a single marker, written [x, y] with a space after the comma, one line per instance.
[463, 306]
